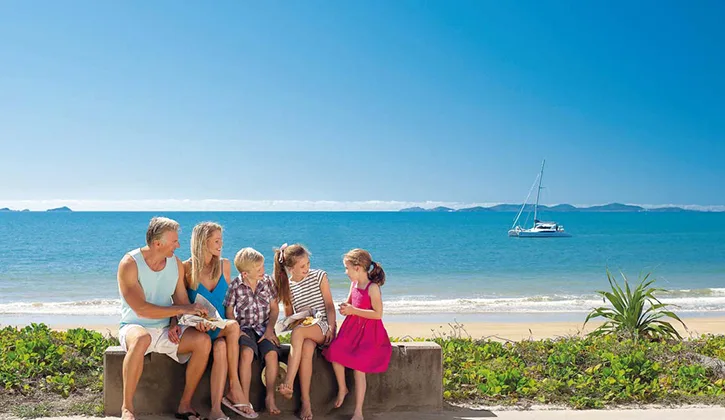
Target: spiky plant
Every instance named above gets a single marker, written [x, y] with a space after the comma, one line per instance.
[635, 313]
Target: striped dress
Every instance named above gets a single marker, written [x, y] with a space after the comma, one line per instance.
[307, 294]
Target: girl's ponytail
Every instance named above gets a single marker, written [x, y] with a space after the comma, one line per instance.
[286, 257]
[281, 280]
[376, 273]
[361, 258]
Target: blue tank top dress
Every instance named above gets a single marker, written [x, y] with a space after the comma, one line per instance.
[216, 297]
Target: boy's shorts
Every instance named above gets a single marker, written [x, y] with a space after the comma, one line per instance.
[160, 342]
[249, 338]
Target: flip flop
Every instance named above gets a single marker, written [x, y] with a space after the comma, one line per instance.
[237, 408]
[188, 415]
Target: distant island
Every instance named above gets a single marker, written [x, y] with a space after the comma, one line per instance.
[559, 208]
[63, 209]
[57, 210]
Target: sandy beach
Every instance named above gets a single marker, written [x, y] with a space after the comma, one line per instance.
[514, 331]
[537, 330]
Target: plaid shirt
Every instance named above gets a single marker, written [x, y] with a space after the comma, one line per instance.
[251, 307]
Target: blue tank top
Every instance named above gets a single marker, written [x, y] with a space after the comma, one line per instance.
[158, 289]
[215, 297]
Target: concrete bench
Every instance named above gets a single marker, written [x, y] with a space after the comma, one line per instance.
[413, 382]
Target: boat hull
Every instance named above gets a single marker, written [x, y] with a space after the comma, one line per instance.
[538, 234]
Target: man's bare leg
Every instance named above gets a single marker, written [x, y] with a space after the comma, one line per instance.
[138, 341]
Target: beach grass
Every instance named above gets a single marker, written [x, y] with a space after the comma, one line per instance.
[49, 373]
[44, 372]
[583, 372]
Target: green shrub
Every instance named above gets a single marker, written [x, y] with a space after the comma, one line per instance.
[44, 372]
[635, 313]
[37, 358]
[590, 372]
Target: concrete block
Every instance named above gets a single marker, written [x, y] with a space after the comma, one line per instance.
[413, 382]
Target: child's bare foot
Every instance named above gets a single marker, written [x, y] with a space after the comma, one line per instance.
[271, 405]
[341, 394]
[236, 394]
[286, 390]
[126, 414]
[217, 415]
[306, 411]
[357, 416]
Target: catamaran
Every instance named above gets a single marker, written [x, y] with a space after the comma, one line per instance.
[539, 229]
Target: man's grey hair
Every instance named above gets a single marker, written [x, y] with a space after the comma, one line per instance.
[158, 226]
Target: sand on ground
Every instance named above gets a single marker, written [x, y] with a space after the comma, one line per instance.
[515, 331]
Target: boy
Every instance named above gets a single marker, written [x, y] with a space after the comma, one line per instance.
[252, 301]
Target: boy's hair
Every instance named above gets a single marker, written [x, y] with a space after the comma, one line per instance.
[362, 258]
[245, 258]
[286, 257]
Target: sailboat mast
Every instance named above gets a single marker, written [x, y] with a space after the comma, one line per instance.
[538, 192]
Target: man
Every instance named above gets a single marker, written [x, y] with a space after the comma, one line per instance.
[151, 284]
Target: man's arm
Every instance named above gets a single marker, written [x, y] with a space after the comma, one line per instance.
[180, 296]
[133, 294]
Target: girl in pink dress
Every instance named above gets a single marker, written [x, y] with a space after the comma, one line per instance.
[362, 343]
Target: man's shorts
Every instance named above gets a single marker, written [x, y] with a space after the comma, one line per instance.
[249, 338]
[160, 342]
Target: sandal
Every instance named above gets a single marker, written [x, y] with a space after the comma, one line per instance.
[189, 415]
[237, 408]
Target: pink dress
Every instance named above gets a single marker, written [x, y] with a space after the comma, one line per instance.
[362, 344]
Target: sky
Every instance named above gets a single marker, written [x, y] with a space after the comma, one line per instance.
[360, 104]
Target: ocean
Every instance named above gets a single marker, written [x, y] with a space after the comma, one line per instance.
[61, 267]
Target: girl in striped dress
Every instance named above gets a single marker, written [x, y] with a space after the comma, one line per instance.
[300, 288]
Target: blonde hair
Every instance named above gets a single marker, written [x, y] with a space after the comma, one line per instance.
[362, 258]
[199, 237]
[286, 257]
[158, 226]
[245, 258]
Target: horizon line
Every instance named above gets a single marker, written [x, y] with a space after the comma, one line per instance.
[281, 205]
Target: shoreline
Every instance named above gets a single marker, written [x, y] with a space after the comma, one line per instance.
[514, 331]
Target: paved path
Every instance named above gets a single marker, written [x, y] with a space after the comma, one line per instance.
[708, 413]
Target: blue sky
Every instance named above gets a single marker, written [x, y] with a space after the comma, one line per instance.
[352, 101]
